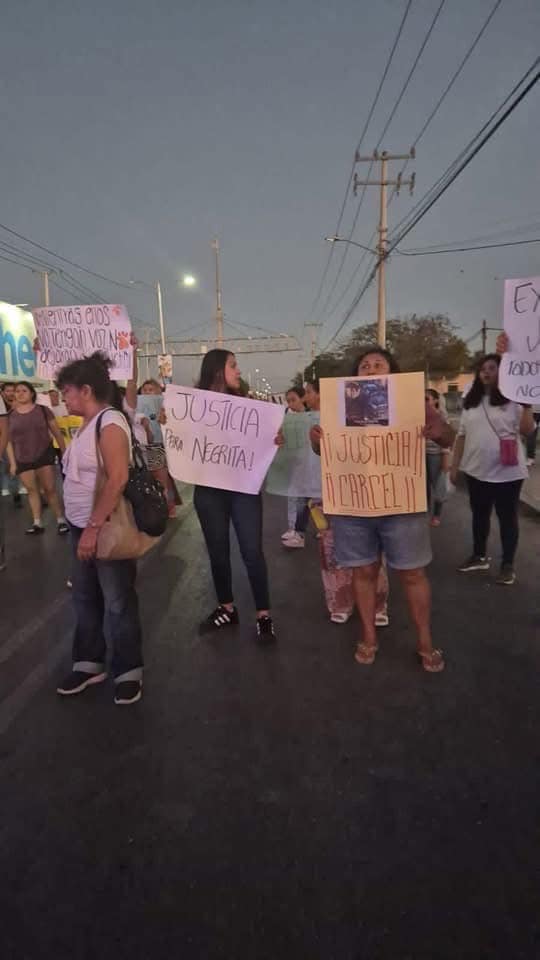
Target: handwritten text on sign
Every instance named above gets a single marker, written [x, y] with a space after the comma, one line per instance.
[519, 375]
[219, 440]
[378, 468]
[70, 333]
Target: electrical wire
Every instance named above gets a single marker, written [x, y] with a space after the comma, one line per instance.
[421, 133]
[453, 171]
[431, 200]
[484, 246]
[358, 147]
[464, 152]
[381, 138]
[58, 256]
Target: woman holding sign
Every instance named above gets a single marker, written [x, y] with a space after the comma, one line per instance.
[491, 456]
[217, 509]
[361, 541]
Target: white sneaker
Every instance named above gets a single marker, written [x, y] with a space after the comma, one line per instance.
[381, 620]
[288, 534]
[340, 617]
[297, 540]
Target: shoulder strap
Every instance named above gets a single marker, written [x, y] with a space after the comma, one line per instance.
[495, 431]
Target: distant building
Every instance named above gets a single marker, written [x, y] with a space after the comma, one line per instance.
[453, 389]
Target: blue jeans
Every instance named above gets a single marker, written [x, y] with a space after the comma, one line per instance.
[216, 509]
[104, 597]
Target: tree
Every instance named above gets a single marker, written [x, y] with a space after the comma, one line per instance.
[427, 343]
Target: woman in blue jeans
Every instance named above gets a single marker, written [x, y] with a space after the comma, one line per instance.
[217, 509]
[103, 590]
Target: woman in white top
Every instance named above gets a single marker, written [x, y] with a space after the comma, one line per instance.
[489, 452]
[103, 590]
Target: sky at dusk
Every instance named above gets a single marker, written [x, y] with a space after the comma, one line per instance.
[132, 133]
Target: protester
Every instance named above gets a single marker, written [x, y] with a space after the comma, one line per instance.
[437, 467]
[3, 446]
[403, 539]
[297, 537]
[217, 509]
[488, 451]
[9, 485]
[32, 457]
[295, 404]
[154, 452]
[104, 592]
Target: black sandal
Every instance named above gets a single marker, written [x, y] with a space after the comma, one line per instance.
[218, 619]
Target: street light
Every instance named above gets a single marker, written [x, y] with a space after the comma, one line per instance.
[351, 243]
[188, 280]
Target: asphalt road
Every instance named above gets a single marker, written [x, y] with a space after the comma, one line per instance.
[272, 803]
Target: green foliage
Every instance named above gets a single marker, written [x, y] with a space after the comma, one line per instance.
[426, 343]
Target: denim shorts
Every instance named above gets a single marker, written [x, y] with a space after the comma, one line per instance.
[404, 540]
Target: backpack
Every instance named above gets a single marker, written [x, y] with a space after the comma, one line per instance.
[145, 494]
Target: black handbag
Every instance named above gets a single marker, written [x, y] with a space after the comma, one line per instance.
[145, 494]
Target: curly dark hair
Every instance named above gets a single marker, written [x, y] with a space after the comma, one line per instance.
[90, 372]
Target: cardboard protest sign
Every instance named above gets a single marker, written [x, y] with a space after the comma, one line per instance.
[219, 440]
[70, 333]
[296, 470]
[373, 448]
[519, 374]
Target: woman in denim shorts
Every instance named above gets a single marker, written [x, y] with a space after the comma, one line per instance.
[360, 543]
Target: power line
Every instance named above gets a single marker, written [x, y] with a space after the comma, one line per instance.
[383, 134]
[423, 130]
[358, 147]
[58, 256]
[464, 152]
[484, 246]
[465, 162]
[449, 177]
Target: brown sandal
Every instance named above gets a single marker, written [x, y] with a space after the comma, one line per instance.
[432, 662]
[366, 653]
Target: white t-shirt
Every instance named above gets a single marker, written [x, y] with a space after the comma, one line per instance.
[481, 455]
[3, 411]
[79, 464]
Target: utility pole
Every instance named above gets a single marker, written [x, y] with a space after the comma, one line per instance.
[160, 316]
[484, 337]
[219, 308]
[383, 182]
[46, 296]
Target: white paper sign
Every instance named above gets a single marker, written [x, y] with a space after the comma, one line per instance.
[70, 333]
[219, 440]
[519, 375]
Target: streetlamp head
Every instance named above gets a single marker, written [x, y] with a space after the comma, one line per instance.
[188, 280]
